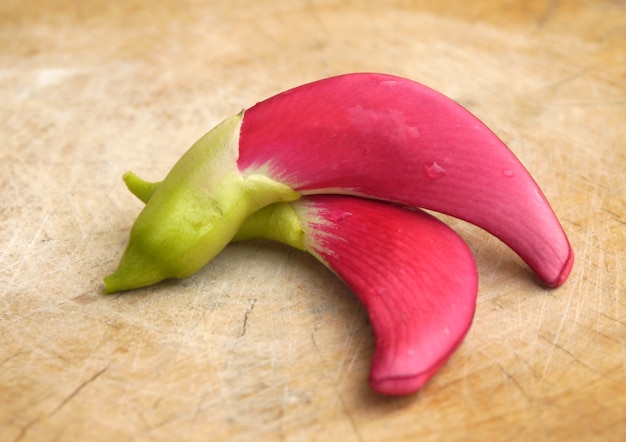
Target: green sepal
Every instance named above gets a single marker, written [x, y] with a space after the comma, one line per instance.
[278, 222]
[194, 212]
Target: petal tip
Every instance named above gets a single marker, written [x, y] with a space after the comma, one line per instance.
[565, 271]
[399, 385]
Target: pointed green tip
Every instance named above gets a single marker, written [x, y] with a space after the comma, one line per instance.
[141, 265]
[114, 283]
[140, 188]
[129, 276]
[133, 272]
[120, 282]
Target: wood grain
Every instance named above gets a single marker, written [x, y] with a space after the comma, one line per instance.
[264, 342]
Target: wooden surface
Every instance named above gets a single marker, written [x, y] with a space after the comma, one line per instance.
[264, 342]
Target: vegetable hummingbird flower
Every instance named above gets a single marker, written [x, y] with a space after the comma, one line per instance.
[367, 137]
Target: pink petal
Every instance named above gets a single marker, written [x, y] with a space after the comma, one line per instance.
[415, 276]
[389, 138]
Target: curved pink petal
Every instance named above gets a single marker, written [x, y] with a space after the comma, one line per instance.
[415, 276]
[389, 138]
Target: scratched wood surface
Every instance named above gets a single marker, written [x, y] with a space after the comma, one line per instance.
[264, 342]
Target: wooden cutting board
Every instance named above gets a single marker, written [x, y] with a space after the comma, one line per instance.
[264, 342]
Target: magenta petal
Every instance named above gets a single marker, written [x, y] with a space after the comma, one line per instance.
[415, 276]
[390, 138]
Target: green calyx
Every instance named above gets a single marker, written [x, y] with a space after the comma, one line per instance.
[194, 212]
[278, 222]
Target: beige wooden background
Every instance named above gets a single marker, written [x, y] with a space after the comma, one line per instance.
[264, 343]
